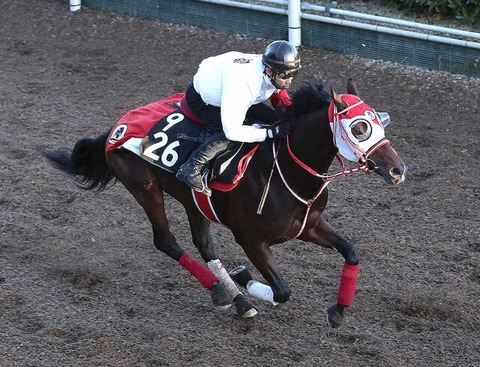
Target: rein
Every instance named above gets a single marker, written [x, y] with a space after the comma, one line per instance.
[325, 177]
[326, 180]
[361, 166]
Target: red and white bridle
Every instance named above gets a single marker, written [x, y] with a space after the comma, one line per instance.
[360, 151]
[342, 123]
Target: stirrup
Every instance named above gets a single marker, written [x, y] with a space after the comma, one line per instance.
[206, 190]
[192, 178]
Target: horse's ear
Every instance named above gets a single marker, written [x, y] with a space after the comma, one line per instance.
[337, 99]
[352, 87]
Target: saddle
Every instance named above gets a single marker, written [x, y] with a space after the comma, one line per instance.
[166, 132]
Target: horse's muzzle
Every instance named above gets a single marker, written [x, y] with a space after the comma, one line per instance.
[394, 175]
[383, 159]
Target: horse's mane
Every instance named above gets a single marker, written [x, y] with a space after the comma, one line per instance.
[310, 97]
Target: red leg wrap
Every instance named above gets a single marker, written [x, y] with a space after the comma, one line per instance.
[348, 283]
[200, 272]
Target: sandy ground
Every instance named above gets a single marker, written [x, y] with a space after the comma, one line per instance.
[81, 283]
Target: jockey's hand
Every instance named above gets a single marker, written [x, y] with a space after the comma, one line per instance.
[280, 131]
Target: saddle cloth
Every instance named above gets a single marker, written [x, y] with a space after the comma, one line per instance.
[154, 132]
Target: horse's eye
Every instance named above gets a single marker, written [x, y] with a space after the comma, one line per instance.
[361, 129]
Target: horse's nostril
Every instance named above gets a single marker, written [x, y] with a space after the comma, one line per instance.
[396, 172]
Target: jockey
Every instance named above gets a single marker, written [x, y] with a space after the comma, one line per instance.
[231, 87]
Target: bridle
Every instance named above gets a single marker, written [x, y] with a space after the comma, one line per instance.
[364, 158]
[365, 164]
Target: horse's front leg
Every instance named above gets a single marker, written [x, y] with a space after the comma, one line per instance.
[323, 234]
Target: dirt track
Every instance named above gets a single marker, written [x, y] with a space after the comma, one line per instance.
[81, 283]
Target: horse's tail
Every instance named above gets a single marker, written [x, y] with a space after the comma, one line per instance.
[86, 161]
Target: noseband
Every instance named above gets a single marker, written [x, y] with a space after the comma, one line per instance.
[365, 164]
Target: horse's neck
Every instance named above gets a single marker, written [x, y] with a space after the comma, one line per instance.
[312, 141]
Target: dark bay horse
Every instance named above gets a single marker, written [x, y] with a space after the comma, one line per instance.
[288, 178]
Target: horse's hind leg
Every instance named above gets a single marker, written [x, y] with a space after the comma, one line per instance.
[200, 229]
[263, 259]
[261, 291]
[136, 176]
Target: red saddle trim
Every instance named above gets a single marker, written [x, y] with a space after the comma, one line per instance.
[137, 123]
[241, 168]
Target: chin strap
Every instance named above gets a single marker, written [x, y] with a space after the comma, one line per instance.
[272, 79]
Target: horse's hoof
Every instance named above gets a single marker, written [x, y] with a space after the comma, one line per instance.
[335, 315]
[245, 308]
[241, 275]
[220, 297]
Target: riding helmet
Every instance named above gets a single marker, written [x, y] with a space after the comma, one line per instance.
[281, 56]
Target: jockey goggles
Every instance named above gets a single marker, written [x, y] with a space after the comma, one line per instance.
[287, 74]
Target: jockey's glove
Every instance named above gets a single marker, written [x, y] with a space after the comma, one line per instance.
[279, 132]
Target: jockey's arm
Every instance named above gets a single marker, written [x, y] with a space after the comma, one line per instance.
[234, 129]
[234, 106]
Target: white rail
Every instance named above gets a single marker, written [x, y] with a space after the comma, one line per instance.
[466, 35]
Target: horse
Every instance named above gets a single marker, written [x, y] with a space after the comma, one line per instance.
[281, 195]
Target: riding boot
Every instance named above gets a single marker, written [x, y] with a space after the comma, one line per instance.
[193, 170]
